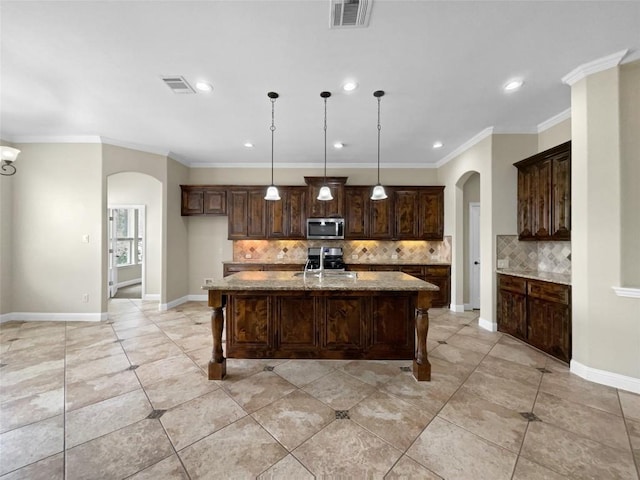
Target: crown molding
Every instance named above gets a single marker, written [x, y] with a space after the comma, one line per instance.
[135, 146]
[555, 120]
[594, 66]
[487, 132]
[342, 166]
[55, 139]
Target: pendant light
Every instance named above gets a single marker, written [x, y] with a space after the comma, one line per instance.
[378, 191]
[272, 191]
[325, 191]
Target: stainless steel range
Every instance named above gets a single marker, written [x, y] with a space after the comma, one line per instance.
[332, 258]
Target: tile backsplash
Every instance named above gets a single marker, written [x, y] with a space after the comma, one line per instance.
[552, 257]
[355, 251]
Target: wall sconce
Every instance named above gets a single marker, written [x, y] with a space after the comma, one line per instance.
[8, 155]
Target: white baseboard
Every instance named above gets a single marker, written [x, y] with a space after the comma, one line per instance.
[126, 283]
[199, 298]
[457, 308]
[487, 325]
[603, 377]
[53, 317]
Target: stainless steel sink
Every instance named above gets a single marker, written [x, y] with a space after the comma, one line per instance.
[328, 274]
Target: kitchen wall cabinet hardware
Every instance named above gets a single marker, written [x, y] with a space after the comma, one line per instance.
[247, 214]
[544, 195]
[537, 312]
[203, 200]
[324, 209]
[286, 217]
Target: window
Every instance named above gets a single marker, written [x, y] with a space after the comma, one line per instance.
[129, 233]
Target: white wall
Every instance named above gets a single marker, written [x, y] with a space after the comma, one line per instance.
[606, 328]
[132, 188]
[56, 201]
[175, 252]
[559, 133]
[6, 240]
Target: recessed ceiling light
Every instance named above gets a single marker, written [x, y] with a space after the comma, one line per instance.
[248, 144]
[513, 85]
[204, 86]
[349, 86]
[437, 144]
[338, 145]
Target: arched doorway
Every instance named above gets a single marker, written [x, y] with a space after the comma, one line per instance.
[137, 199]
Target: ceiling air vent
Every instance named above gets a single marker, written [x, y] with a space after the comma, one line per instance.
[178, 84]
[350, 13]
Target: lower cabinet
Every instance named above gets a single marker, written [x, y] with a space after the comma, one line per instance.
[537, 312]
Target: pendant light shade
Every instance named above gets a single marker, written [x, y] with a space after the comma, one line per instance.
[272, 191]
[325, 192]
[378, 192]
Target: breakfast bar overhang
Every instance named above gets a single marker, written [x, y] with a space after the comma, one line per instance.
[327, 315]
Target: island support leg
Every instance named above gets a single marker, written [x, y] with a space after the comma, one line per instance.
[217, 364]
[421, 365]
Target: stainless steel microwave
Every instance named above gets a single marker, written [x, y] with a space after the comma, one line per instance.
[325, 228]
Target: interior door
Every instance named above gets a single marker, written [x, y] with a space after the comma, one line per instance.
[113, 269]
[474, 255]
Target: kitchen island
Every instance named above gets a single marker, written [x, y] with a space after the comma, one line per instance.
[333, 315]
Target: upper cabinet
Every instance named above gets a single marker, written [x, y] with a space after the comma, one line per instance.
[323, 208]
[247, 213]
[409, 213]
[366, 218]
[419, 213]
[544, 195]
[204, 200]
[286, 217]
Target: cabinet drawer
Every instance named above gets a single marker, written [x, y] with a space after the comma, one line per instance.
[437, 271]
[552, 292]
[512, 284]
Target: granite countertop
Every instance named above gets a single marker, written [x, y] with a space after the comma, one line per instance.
[274, 280]
[346, 261]
[561, 278]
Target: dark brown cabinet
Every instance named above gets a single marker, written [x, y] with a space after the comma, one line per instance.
[247, 213]
[409, 213]
[439, 275]
[419, 213]
[203, 200]
[321, 208]
[544, 195]
[286, 217]
[366, 218]
[512, 306]
[537, 312]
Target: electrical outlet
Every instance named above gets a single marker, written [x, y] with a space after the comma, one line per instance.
[354, 257]
[208, 281]
[85, 238]
[394, 256]
[247, 255]
[85, 298]
[503, 263]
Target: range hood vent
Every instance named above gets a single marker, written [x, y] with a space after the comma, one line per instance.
[350, 13]
[178, 84]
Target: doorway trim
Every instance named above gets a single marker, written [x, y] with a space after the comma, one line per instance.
[141, 210]
[474, 256]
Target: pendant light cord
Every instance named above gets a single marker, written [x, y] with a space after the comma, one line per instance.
[379, 128]
[273, 129]
[325, 140]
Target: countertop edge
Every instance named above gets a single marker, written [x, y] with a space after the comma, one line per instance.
[559, 278]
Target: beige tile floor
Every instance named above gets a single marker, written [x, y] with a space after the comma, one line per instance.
[129, 398]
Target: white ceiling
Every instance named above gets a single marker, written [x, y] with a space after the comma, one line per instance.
[93, 68]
